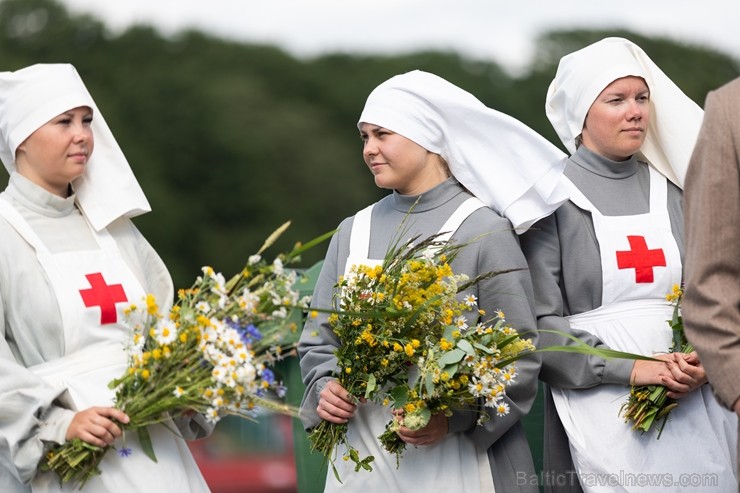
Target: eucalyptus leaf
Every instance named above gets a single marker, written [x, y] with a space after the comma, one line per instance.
[450, 357]
[451, 370]
[429, 383]
[466, 346]
[371, 385]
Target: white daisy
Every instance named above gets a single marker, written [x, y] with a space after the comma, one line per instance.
[166, 332]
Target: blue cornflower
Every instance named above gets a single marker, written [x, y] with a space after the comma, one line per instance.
[125, 451]
[268, 376]
[250, 333]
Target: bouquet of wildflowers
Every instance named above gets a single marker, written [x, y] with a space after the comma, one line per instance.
[404, 339]
[210, 354]
[458, 367]
[648, 404]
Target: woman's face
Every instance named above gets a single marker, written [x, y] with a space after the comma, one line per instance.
[399, 163]
[617, 122]
[57, 152]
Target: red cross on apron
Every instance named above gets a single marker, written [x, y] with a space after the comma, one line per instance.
[633, 318]
[640, 258]
[643, 242]
[103, 295]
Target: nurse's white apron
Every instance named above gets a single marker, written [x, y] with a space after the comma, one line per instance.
[696, 451]
[92, 288]
[453, 464]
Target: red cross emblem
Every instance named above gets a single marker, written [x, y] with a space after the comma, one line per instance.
[103, 295]
[641, 259]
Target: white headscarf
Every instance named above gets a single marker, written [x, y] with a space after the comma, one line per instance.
[507, 165]
[582, 75]
[31, 97]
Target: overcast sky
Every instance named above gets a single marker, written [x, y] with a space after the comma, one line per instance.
[482, 29]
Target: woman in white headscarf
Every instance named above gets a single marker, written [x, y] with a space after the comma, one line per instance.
[71, 261]
[602, 266]
[454, 165]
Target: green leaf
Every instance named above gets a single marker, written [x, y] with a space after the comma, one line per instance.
[583, 348]
[466, 346]
[371, 385]
[365, 463]
[448, 332]
[505, 342]
[310, 244]
[336, 473]
[483, 348]
[429, 383]
[451, 370]
[146, 443]
[451, 357]
[425, 414]
[400, 396]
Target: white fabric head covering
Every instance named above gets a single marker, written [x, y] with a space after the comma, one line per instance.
[31, 97]
[581, 76]
[507, 165]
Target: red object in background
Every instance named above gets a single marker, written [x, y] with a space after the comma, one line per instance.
[243, 456]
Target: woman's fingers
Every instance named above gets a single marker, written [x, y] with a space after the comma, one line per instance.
[335, 403]
[97, 425]
[433, 432]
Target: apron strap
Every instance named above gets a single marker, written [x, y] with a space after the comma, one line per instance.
[359, 241]
[577, 197]
[15, 219]
[458, 217]
[658, 191]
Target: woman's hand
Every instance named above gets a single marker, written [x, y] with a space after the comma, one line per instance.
[687, 370]
[335, 403]
[95, 425]
[433, 432]
[680, 373]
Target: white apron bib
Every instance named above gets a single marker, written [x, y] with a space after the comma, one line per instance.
[453, 464]
[696, 452]
[93, 288]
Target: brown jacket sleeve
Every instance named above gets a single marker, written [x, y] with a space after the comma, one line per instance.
[711, 307]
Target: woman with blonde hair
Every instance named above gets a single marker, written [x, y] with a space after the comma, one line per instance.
[602, 266]
[454, 166]
[71, 263]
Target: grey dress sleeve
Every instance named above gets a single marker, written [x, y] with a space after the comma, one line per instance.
[318, 342]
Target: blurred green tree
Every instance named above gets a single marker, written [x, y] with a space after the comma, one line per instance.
[229, 140]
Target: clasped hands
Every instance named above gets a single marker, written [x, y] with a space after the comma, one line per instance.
[680, 373]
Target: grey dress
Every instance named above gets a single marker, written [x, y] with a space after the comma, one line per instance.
[497, 249]
[563, 256]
